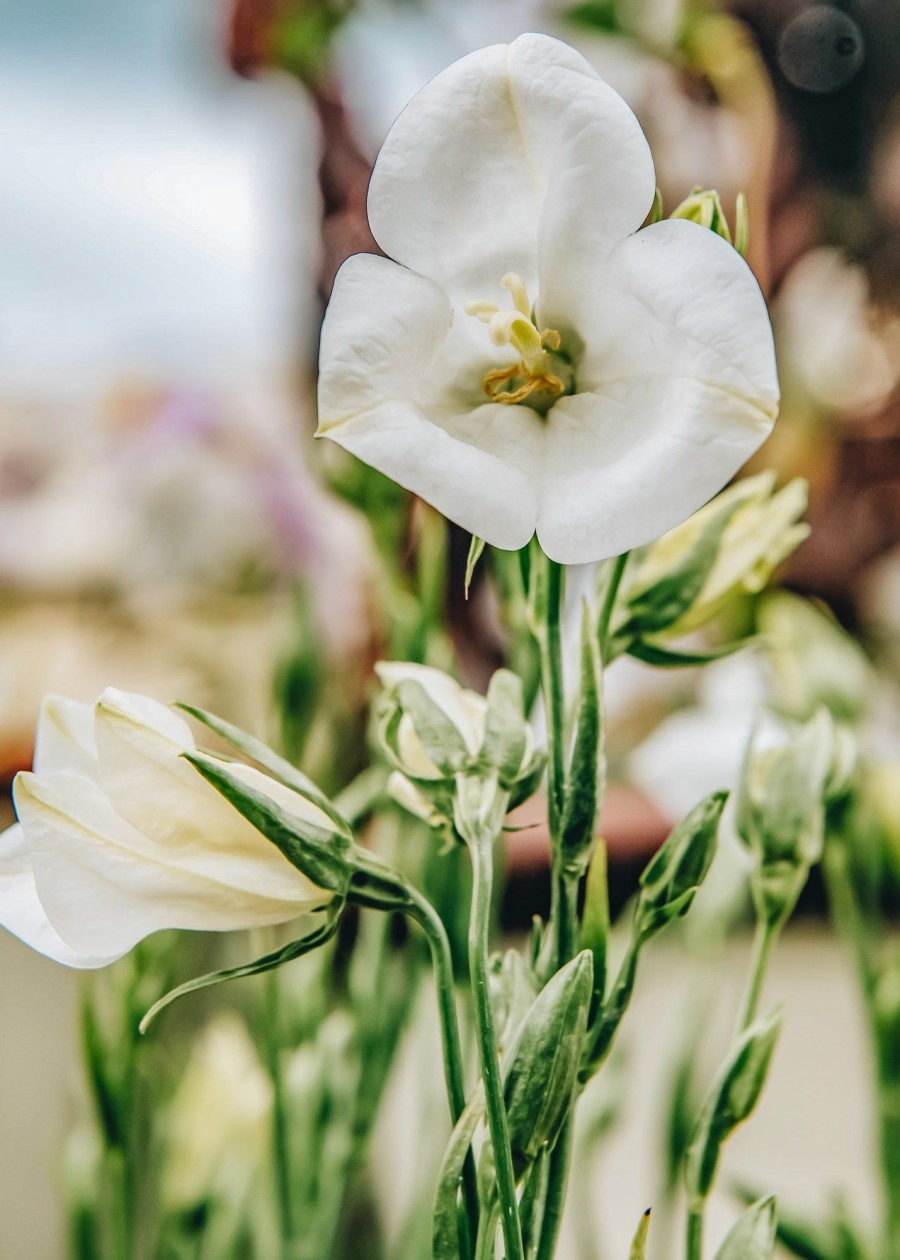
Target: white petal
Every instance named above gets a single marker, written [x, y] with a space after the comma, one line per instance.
[105, 886]
[626, 464]
[21, 911]
[382, 329]
[676, 299]
[589, 158]
[65, 737]
[492, 163]
[452, 194]
[153, 788]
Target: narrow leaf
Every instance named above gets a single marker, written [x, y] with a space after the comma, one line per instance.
[445, 1227]
[319, 854]
[671, 658]
[595, 921]
[752, 1237]
[731, 1101]
[476, 547]
[505, 730]
[639, 1244]
[322, 933]
[269, 760]
[584, 782]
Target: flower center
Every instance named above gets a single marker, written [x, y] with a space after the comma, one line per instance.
[542, 373]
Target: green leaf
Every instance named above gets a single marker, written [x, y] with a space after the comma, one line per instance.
[321, 855]
[752, 1237]
[741, 226]
[584, 782]
[318, 936]
[671, 658]
[440, 738]
[595, 920]
[545, 1060]
[270, 761]
[731, 1101]
[596, 15]
[639, 1243]
[505, 739]
[445, 1228]
[476, 547]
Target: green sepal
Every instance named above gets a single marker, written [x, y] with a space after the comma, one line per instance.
[752, 1237]
[445, 1240]
[322, 856]
[270, 761]
[544, 1062]
[476, 547]
[440, 738]
[667, 600]
[505, 740]
[671, 878]
[741, 225]
[584, 782]
[318, 936]
[639, 1243]
[731, 1101]
[526, 786]
[671, 658]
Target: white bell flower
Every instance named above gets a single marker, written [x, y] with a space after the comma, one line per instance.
[526, 359]
[119, 836]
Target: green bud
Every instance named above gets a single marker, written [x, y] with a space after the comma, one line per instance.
[814, 661]
[670, 881]
[752, 1237]
[704, 206]
[730, 547]
[545, 1060]
[731, 1101]
[780, 813]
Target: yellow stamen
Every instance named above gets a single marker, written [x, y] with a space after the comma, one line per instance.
[517, 328]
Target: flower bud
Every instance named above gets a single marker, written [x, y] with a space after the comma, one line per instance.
[780, 813]
[670, 882]
[704, 206]
[814, 661]
[730, 547]
[546, 1058]
[437, 734]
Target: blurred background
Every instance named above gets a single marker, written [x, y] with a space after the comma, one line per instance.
[179, 182]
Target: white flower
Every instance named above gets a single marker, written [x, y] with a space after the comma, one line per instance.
[119, 836]
[621, 378]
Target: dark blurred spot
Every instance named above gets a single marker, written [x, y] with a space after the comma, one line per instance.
[821, 49]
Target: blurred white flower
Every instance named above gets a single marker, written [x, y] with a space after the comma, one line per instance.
[622, 378]
[829, 339]
[119, 836]
[217, 1127]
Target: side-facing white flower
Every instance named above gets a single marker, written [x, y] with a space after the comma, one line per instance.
[120, 836]
[621, 378]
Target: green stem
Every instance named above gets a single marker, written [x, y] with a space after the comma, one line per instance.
[695, 1231]
[281, 1146]
[564, 912]
[609, 603]
[555, 1199]
[764, 937]
[550, 643]
[424, 913]
[481, 848]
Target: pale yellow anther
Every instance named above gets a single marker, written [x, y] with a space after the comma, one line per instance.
[517, 328]
[516, 286]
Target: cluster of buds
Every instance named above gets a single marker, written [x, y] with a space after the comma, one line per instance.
[454, 750]
[729, 548]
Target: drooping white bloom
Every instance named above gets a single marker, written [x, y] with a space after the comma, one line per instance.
[530, 360]
[119, 836]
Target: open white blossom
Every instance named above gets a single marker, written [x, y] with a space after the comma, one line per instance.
[119, 836]
[526, 358]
